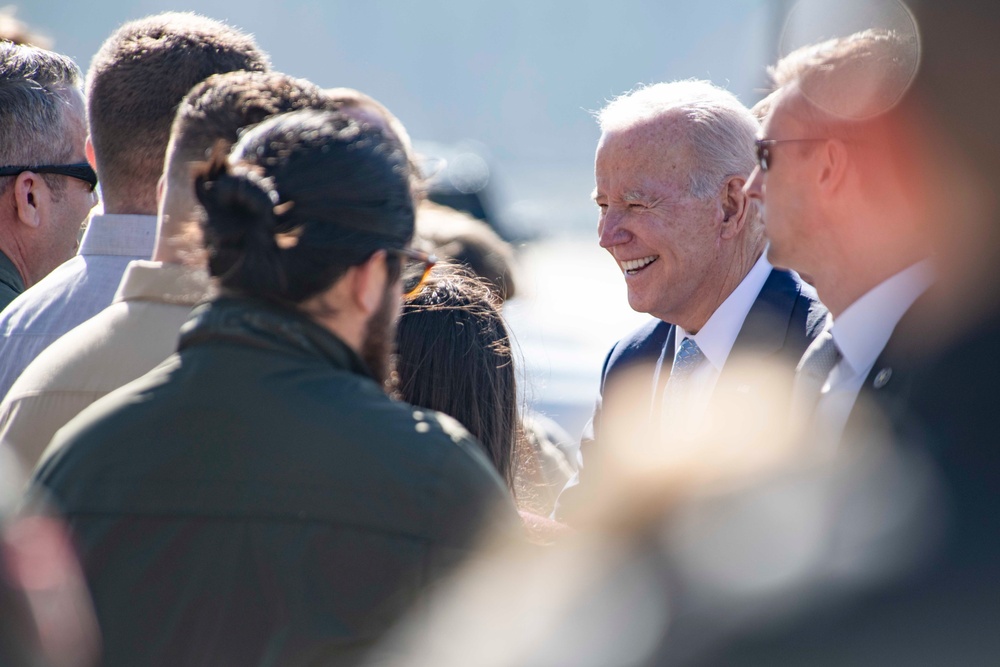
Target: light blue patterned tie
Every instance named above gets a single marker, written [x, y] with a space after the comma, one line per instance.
[688, 356]
[686, 360]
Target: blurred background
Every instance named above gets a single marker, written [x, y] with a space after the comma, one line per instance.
[505, 91]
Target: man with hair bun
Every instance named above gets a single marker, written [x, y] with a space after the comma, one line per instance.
[670, 168]
[46, 185]
[258, 498]
[135, 82]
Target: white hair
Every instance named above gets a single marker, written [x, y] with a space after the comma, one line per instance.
[721, 131]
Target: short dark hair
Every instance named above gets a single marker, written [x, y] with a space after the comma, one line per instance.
[454, 356]
[222, 105]
[303, 197]
[136, 81]
[33, 105]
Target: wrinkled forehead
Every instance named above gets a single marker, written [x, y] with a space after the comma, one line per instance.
[658, 149]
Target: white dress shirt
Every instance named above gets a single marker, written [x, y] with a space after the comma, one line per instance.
[860, 333]
[716, 341]
[74, 292]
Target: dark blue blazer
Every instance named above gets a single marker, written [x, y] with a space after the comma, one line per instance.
[779, 327]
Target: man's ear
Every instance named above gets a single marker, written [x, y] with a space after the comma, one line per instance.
[31, 198]
[834, 162]
[734, 207]
[368, 283]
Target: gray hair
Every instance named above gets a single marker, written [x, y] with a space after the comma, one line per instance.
[33, 101]
[720, 130]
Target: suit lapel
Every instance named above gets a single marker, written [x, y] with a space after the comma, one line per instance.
[888, 383]
[765, 328]
[662, 372]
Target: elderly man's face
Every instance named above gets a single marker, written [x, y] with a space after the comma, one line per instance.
[665, 240]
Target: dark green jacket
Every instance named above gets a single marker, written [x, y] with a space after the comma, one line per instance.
[11, 283]
[258, 499]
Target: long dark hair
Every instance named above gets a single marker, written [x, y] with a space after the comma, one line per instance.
[303, 197]
[454, 356]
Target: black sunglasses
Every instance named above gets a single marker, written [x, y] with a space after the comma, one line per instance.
[79, 170]
[764, 146]
[417, 266]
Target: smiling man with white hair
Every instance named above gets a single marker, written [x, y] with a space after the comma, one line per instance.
[670, 168]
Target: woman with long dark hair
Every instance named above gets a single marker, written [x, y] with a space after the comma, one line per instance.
[454, 355]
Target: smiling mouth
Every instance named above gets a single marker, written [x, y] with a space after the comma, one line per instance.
[634, 266]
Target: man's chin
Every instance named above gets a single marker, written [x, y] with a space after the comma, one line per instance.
[638, 305]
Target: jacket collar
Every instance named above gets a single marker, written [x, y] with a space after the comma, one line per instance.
[9, 275]
[255, 323]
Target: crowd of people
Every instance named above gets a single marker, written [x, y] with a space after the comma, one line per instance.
[263, 408]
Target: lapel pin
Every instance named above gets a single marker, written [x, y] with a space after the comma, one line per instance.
[882, 378]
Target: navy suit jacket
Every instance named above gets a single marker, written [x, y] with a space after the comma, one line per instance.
[780, 325]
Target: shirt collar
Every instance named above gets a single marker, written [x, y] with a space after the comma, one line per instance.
[717, 337]
[118, 234]
[862, 331]
[163, 283]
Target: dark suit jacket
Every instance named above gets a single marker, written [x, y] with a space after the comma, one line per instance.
[891, 381]
[943, 407]
[779, 326]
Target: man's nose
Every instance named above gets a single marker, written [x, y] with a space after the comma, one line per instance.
[611, 229]
[754, 187]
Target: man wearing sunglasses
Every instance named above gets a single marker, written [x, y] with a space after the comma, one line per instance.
[135, 82]
[46, 185]
[841, 208]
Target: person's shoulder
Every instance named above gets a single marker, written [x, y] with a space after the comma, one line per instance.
[102, 435]
[35, 303]
[73, 359]
[808, 312]
[644, 343]
[428, 433]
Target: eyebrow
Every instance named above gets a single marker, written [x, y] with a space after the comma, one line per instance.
[635, 195]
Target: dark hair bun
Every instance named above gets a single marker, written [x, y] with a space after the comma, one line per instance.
[239, 226]
[345, 193]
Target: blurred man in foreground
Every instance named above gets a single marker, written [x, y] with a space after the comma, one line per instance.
[839, 208]
[936, 153]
